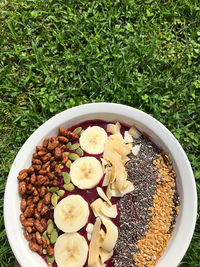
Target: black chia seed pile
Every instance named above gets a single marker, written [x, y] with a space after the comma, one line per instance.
[134, 213]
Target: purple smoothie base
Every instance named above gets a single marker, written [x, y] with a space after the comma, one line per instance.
[90, 194]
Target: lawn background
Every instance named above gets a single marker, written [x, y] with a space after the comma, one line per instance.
[56, 54]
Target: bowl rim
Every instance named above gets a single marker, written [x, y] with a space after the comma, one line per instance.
[85, 109]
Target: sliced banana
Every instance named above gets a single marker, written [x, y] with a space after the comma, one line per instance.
[71, 213]
[71, 250]
[86, 172]
[92, 140]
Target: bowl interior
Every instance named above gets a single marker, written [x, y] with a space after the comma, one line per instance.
[180, 240]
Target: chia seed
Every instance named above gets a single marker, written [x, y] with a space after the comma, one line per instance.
[133, 207]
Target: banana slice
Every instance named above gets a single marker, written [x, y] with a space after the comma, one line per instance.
[86, 172]
[71, 213]
[92, 140]
[71, 250]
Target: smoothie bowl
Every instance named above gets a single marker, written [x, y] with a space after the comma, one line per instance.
[100, 185]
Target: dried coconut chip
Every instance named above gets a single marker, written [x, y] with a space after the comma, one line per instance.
[105, 255]
[114, 128]
[94, 246]
[134, 132]
[109, 211]
[103, 195]
[127, 137]
[111, 235]
[136, 149]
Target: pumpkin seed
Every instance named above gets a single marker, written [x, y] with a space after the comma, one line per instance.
[79, 151]
[61, 193]
[61, 166]
[50, 228]
[50, 259]
[49, 221]
[77, 130]
[53, 189]
[66, 153]
[68, 164]
[46, 237]
[52, 207]
[68, 145]
[68, 187]
[54, 199]
[54, 236]
[44, 251]
[66, 177]
[73, 156]
[74, 146]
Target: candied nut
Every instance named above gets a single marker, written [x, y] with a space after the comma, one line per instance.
[39, 226]
[62, 147]
[29, 200]
[53, 164]
[57, 153]
[50, 250]
[72, 136]
[42, 191]
[52, 145]
[30, 170]
[29, 229]
[52, 159]
[45, 165]
[38, 238]
[64, 159]
[33, 178]
[63, 139]
[62, 131]
[37, 167]
[40, 148]
[35, 155]
[29, 211]
[37, 215]
[46, 183]
[36, 199]
[44, 210]
[27, 235]
[29, 187]
[58, 170]
[23, 204]
[54, 183]
[37, 161]
[42, 153]
[42, 172]
[45, 142]
[41, 179]
[46, 157]
[22, 218]
[34, 191]
[44, 224]
[34, 246]
[22, 175]
[47, 198]
[22, 188]
[44, 242]
[50, 175]
[22, 171]
[39, 206]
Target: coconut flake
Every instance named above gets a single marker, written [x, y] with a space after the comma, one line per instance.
[136, 149]
[127, 137]
[134, 132]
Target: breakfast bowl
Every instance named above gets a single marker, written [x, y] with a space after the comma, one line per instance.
[104, 114]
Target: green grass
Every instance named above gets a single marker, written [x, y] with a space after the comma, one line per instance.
[56, 54]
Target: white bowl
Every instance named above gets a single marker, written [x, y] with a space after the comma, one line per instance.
[159, 134]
